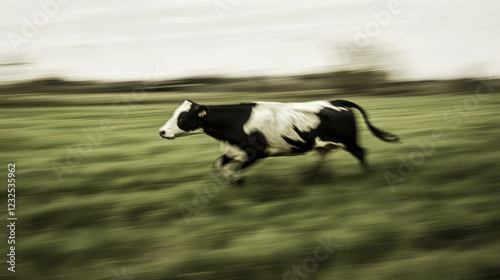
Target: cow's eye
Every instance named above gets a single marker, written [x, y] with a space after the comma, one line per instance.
[182, 118]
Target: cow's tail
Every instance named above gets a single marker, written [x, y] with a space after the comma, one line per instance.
[383, 135]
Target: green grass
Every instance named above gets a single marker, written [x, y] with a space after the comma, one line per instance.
[117, 205]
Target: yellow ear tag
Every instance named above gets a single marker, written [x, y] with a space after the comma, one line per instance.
[202, 113]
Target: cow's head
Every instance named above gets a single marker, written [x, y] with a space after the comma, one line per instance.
[185, 121]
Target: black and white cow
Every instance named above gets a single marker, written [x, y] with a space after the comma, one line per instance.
[252, 131]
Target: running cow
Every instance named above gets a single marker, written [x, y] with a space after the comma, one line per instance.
[252, 131]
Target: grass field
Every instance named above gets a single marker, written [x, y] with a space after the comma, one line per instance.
[98, 194]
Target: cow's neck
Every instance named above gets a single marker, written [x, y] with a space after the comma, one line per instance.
[225, 123]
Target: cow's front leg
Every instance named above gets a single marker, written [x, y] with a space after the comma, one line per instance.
[234, 171]
[231, 163]
[219, 162]
[229, 172]
[228, 169]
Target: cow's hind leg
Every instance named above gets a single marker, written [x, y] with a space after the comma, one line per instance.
[323, 147]
[358, 152]
[322, 152]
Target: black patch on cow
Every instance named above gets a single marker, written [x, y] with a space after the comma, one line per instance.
[225, 122]
[255, 147]
[337, 126]
[340, 127]
[300, 147]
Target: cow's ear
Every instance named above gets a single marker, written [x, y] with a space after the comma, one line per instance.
[202, 111]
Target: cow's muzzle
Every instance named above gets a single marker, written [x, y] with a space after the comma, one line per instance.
[162, 135]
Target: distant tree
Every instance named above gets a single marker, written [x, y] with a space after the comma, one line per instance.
[373, 58]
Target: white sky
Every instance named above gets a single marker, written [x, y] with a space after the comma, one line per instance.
[120, 39]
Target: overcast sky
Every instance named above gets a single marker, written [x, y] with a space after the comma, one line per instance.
[120, 39]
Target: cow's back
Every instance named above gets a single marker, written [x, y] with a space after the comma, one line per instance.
[285, 123]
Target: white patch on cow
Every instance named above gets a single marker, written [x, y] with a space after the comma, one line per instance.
[170, 127]
[233, 152]
[329, 145]
[274, 120]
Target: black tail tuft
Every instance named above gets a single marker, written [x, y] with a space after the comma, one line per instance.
[383, 135]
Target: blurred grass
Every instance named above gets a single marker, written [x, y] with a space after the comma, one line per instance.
[118, 207]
